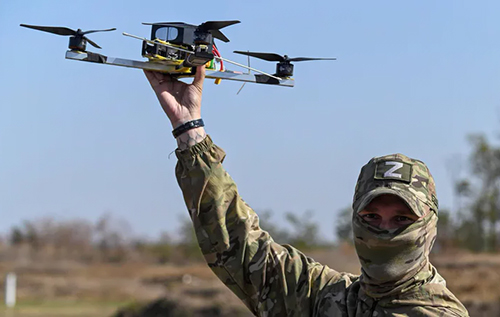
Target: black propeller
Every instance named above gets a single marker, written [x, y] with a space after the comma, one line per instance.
[66, 31]
[215, 26]
[210, 26]
[272, 57]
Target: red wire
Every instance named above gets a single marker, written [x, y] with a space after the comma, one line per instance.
[216, 51]
[218, 55]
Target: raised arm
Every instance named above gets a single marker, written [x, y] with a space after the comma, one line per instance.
[272, 280]
[181, 103]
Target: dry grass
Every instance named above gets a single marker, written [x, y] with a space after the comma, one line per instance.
[72, 289]
[61, 309]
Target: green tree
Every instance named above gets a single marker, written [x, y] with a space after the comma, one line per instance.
[483, 195]
[446, 236]
[343, 227]
[188, 243]
[278, 234]
[299, 231]
[16, 236]
[305, 230]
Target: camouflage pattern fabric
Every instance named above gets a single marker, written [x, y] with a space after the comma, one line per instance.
[279, 280]
[400, 175]
[392, 260]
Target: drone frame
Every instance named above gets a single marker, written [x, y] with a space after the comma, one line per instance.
[191, 46]
[260, 78]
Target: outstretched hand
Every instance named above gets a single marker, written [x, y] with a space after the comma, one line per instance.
[180, 101]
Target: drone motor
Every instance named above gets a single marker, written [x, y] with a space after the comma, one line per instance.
[284, 68]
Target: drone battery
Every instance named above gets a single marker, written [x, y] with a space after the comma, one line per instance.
[198, 59]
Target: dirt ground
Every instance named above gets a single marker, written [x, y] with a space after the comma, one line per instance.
[72, 289]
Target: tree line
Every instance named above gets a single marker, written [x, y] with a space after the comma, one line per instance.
[473, 224]
[109, 240]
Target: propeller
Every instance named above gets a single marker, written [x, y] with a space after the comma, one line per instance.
[210, 26]
[272, 57]
[215, 26]
[67, 31]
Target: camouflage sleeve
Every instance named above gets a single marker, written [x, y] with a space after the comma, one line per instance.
[425, 310]
[269, 278]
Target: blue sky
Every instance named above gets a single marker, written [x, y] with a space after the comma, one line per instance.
[78, 140]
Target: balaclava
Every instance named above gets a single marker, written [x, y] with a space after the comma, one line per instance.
[395, 260]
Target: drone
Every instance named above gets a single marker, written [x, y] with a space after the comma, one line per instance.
[177, 48]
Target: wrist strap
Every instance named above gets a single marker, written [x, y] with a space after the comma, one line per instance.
[188, 126]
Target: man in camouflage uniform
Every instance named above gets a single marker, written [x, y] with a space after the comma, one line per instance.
[394, 224]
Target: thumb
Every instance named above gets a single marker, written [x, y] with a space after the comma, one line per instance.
[199, 77]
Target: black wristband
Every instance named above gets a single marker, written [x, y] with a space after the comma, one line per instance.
[188, 126]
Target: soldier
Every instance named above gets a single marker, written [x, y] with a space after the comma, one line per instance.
[394, 220]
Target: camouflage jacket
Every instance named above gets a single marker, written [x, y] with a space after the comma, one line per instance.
[278, 280]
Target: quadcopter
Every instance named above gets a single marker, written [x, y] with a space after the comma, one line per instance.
[177, 48]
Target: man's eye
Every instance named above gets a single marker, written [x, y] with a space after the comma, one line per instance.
[403, 219]
[370, 216]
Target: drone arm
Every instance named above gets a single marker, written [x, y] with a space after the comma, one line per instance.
[247, 67]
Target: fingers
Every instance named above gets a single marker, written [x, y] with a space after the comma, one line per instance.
[199, 77]
[157, 78]
[150, 76]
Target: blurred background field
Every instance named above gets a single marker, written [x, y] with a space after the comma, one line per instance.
[190, 289]
[76, 268]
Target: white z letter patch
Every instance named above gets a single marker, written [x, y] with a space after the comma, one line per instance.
[390, 172]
